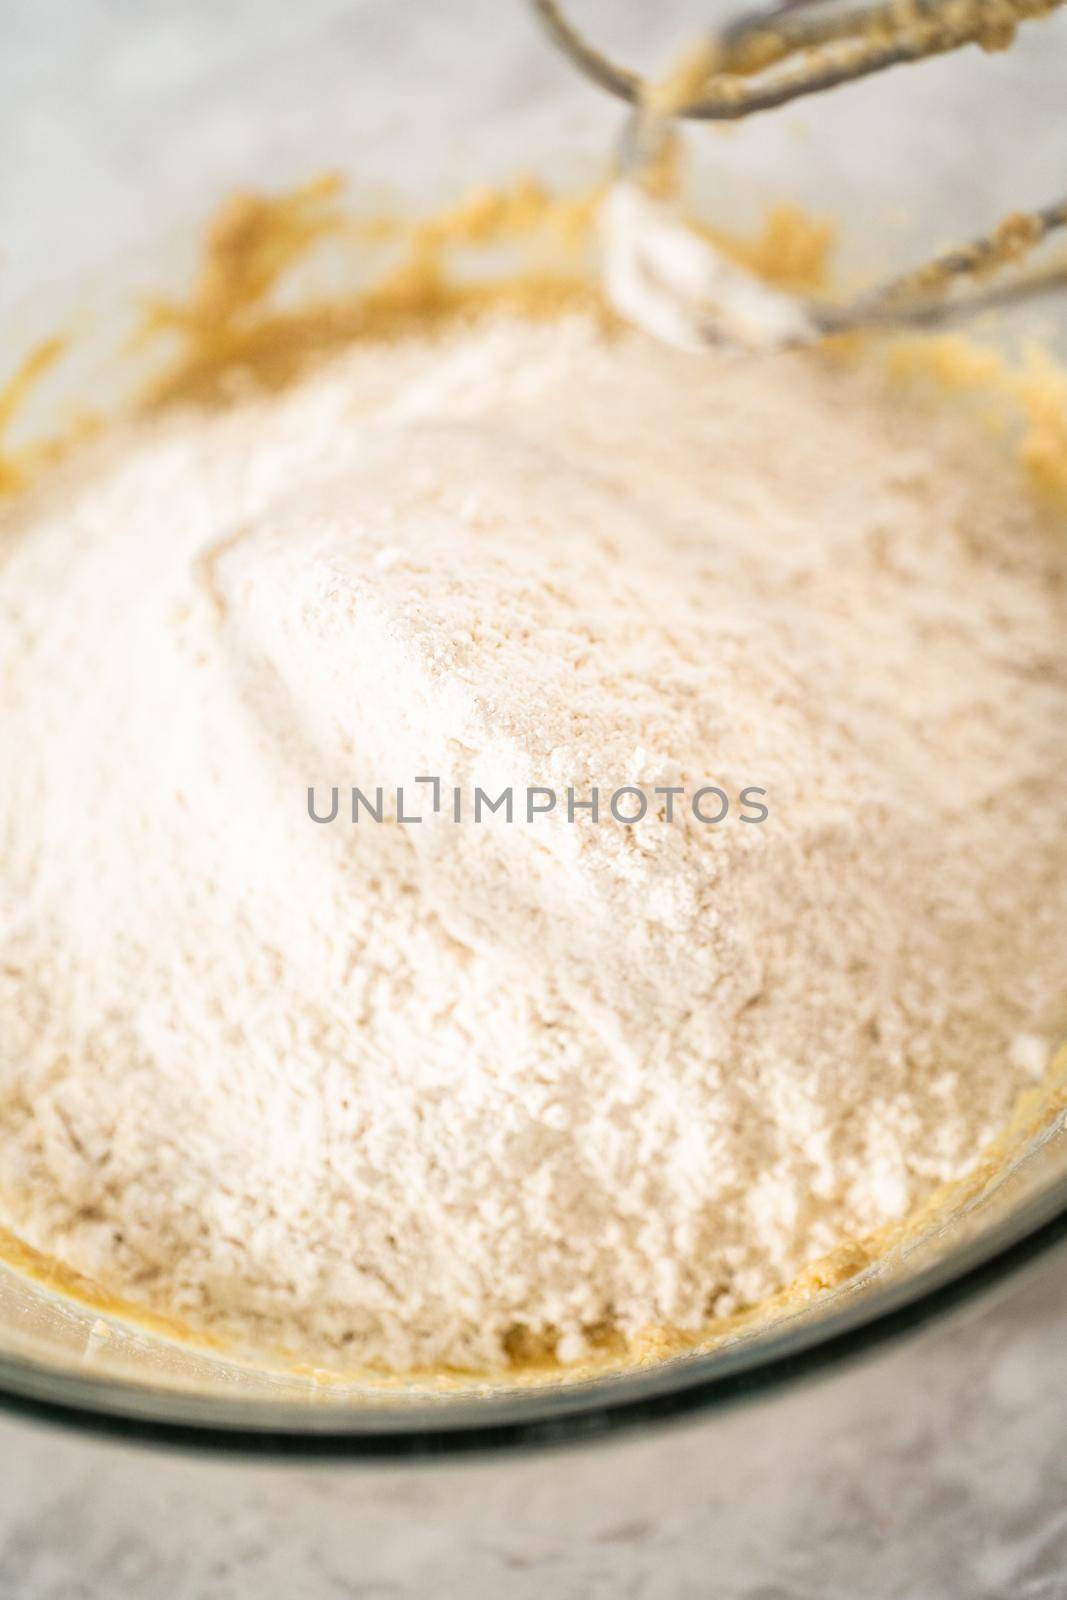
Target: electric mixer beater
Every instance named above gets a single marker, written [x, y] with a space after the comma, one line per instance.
[673, 282]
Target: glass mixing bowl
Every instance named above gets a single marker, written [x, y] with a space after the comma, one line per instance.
[123, 129]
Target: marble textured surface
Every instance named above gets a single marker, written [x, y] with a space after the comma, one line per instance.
[934, 1471]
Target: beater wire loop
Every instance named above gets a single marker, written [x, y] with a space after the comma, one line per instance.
[820, 44]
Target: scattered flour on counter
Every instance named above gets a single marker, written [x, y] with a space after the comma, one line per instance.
[387, 1094]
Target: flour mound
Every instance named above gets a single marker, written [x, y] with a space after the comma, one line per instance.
[396, 1094]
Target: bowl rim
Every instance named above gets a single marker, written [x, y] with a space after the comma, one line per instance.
[683, 1388]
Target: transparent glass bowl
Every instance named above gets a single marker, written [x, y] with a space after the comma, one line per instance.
[129, 126]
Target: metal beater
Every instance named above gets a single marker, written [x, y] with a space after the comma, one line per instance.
[674, 282]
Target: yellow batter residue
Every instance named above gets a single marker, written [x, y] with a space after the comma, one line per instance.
[18, 466]
[239, 326]
[230, 328]
[1027, 396]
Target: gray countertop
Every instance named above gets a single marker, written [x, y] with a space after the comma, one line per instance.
[936, 1470]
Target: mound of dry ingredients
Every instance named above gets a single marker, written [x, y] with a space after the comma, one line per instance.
[386, 1093]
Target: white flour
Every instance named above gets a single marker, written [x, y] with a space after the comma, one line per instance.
[385, 1093]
